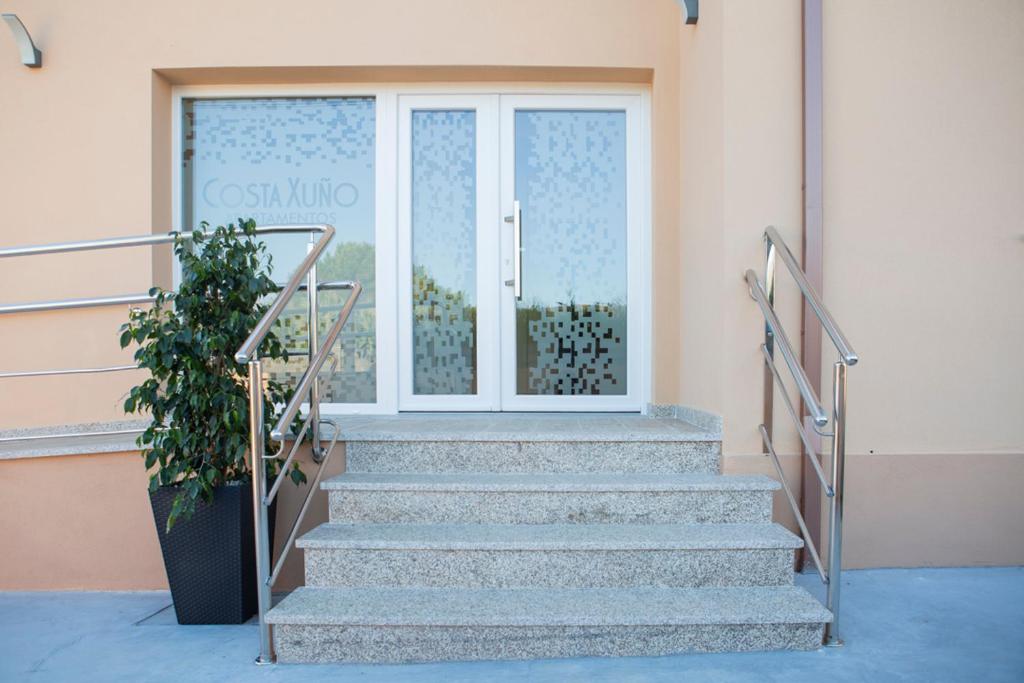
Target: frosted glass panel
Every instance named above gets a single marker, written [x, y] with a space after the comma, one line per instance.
[570, 179]
[444, 297]
[295, 160]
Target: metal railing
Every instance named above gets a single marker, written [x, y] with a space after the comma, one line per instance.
[307, 392]
[833, 485]
[308, 386]
[319, 235]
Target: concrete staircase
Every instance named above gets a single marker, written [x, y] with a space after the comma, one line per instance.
[510, 545]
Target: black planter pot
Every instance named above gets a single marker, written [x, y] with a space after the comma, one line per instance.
[211, 557]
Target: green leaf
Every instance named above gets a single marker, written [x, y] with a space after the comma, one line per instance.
[196, 394]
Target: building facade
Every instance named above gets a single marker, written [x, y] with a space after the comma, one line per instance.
[637, 158]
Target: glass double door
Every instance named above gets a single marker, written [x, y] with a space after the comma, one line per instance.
[519, 243]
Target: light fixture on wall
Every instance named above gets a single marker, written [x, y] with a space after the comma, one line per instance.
[30, 54]
[690, 6]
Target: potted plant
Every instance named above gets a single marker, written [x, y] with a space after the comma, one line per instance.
[196, 445]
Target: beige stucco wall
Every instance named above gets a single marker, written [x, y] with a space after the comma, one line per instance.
[87, 153]
[924, 264]
[98, 116]
[923, 204]
[84, 522]
[925, 209]
[741, 160]
[78, 522]
[924, 241]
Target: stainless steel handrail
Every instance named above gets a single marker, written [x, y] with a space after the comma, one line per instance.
[828, 323]
[67, 371]
[331, 285]
[308, 386]
[144, 240]
[306, 269]
[262, 329]
[764, 295]
[123, 299]
[262, 499]
[64, 304]
[313, 488]
[90, 245]
[134, 241]
[303, 278]
[336, 285]
[117, 300]
[803, 384]
[767, 440]
[804, 436]
[313, 369]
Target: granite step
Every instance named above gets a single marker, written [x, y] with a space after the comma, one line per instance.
[392, 625]
[549, 498]
[548, 555]
[500, 452]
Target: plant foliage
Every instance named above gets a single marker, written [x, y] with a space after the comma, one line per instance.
[197, 394]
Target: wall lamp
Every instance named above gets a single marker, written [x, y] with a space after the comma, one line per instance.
[30, 54]
[691, 10]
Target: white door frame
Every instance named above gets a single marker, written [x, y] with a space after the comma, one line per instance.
[387, 201]
[487, 397]
[638, 333]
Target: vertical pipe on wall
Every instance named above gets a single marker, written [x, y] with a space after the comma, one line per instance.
[810, 337]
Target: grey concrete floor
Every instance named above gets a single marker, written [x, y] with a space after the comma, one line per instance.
[899, 624]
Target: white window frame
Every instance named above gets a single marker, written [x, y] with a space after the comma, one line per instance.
[488, 340]
[387, 202]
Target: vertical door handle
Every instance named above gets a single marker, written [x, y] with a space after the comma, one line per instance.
[516, 219]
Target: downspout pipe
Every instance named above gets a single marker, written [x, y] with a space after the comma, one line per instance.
[812, 247]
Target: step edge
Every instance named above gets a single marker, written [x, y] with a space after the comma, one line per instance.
[782, 539]
[810, 612]
[756, 485]
[298, 621]
[535, 437]
[509, 547]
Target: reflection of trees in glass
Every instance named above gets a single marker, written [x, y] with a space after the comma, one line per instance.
[352, 261]
[571, 349]
[355, 381]
[444, 337]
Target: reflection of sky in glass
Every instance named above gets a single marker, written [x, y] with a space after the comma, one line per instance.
[281, 160]
[444, 197]
[570, 178]
[444, 251]
[295, 160]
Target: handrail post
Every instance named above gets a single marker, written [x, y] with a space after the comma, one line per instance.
[259, 490]
[835, 525]
[775, 247]
[313, 316]
[769, 339]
